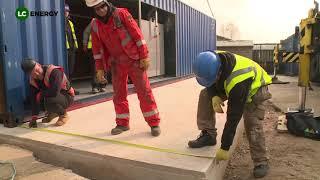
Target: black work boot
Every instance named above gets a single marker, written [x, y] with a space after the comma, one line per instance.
[260, 170]
[49, 117]
[204, 139]
[102, 89]
[33, 124]
[119, 129]
[76, 92]
[155, 131]
[94, 90]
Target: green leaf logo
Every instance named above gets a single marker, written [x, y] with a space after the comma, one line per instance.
[22, 13]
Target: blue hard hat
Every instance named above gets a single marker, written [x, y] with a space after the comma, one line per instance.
[66, 7]
[206, 68]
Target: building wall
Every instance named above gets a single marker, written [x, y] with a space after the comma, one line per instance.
[221, 38]
[264, 58]
[245, 51]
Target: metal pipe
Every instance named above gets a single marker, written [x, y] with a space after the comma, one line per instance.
[156, 20]
[304, 78]
[157, 41]
[302, 98]
[140, 13]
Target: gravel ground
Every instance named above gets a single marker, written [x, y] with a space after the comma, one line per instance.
[291, 157]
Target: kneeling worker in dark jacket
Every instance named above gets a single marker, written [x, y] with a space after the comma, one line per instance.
[243, 83]
[48, 85]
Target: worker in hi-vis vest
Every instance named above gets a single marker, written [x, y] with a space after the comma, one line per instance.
[71, 43]
[87, 49]
[242, 82]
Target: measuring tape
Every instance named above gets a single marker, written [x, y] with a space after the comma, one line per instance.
[140, 146]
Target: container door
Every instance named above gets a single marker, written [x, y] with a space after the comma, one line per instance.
[147, 28]
[10, 46]
[154, 35]
[161, 61]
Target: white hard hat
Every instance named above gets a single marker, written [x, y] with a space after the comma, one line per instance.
[91, 3]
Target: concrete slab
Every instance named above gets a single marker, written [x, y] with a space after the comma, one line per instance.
[177, 104]
[287, 95]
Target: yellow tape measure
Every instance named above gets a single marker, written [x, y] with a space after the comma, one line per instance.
[141, 146]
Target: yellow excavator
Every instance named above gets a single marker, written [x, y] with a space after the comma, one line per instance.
[309, 44]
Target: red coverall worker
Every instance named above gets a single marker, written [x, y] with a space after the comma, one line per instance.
[118, 43]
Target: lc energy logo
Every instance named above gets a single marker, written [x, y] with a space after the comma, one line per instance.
[22, 13]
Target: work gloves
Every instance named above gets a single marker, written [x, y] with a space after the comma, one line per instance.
[217, 102]
[222, 155]
[100, 77]
[144, 63]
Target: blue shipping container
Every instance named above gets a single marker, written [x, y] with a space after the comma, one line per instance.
[195, 32]
[43, 38]
[289, 69]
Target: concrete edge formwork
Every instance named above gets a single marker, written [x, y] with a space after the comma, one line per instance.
[97, 166]
[217, 171]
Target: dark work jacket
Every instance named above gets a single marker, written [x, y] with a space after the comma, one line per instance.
[236, 100]
[55, 81]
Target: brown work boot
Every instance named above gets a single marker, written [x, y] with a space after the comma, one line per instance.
[155, 131]
[62, 120]
[49, 117]
[119, 129]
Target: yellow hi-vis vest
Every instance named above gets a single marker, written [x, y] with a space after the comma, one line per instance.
[89, 46]
[244, 69]
[73, 36]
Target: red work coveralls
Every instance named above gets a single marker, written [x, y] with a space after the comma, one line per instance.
[119, 45]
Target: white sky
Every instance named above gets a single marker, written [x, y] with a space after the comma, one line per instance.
[263, 21]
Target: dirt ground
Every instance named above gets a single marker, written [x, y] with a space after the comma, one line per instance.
[28, 167]
[291, 157]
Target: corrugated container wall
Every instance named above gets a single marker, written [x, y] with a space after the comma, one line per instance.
[291, 43]
[263, 54]
[36, 37]
[289, 69]
[264, 58]
[195, 32]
